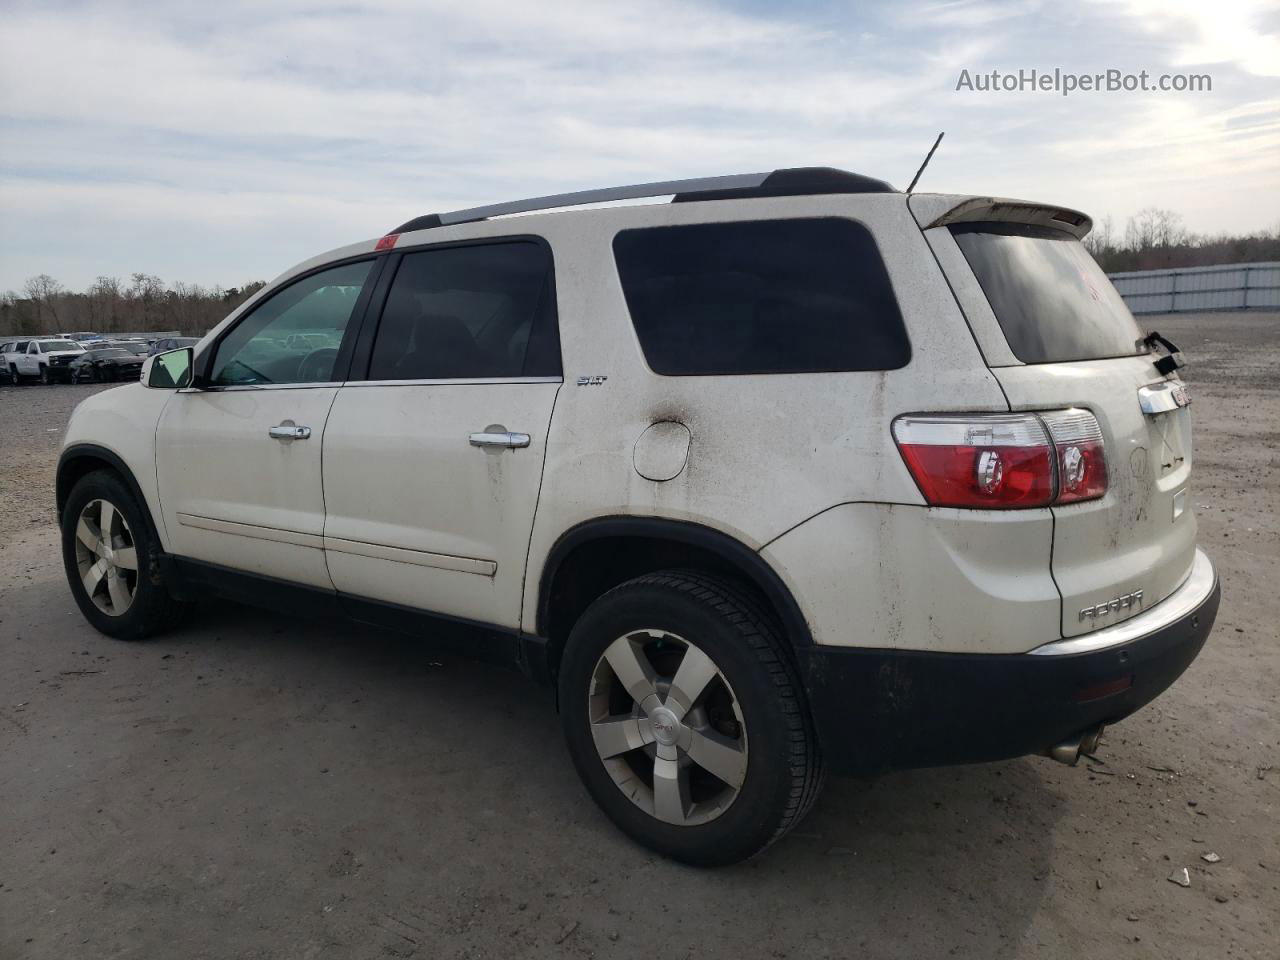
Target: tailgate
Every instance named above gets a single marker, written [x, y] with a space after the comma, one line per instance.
[1118, 555]
[1057, 335]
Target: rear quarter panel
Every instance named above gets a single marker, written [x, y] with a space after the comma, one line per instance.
[766, 452]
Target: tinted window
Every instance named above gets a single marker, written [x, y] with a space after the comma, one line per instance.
[263, 347]
[475, 311]
[111, 352]
[769, 296]
[1053, 301]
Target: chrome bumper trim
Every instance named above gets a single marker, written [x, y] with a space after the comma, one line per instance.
[1193, 592]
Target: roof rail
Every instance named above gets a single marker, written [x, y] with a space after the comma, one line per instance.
[790, 182]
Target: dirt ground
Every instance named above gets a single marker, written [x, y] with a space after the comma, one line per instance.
[263, 788]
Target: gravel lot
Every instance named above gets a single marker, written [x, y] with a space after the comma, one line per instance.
[258, 787]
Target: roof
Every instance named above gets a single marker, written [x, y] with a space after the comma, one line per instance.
[789, 182]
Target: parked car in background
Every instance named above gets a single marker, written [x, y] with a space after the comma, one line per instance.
[308, 341]
[46, 360]
[172, 343]
[795, 474]
[106, 364]
[137, 347]
[9, 353]
[5, 375]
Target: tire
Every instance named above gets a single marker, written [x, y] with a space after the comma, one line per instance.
[45, 376]
[750, 718]
[13, 373]
[150, 608]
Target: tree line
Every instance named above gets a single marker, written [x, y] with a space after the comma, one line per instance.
[142, 304]
[1155, 239]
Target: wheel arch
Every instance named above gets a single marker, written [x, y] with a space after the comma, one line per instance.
[80, 460]
[597, 555]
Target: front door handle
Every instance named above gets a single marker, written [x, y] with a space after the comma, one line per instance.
[509, 440]
[289, 431]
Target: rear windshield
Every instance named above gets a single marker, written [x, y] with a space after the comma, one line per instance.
[767, 296]
[1053, 301]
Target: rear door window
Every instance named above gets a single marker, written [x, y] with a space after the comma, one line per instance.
[1051, 298]
[471, 312]
[765, 296]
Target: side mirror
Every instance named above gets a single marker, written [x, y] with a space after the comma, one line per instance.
[169, 371]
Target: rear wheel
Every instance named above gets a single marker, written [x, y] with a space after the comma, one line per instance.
[111, 560]
[686, 720]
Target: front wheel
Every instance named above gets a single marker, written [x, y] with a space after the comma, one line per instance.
[111, 560]
[45, 378]
[14, 375]
[686, 720]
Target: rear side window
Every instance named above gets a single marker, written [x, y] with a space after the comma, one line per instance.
[765, 296]
[484, 310]
[1051, 298]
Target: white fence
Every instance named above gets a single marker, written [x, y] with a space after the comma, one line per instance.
[1240, 286]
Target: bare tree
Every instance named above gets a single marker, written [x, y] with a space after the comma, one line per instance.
[42, 290]
[102, 301]
[1101, 240]
[145, 293]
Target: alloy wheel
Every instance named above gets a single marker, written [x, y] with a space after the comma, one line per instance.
[667, 727]
[106, 557]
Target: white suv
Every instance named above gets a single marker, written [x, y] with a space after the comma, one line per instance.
[794, 473]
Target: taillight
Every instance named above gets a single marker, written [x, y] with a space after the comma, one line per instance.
[1004, 461]
[996, 461]
[1082, 464]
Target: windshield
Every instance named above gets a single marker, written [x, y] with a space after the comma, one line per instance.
[48, 345]
[1052, 299]
[111, 352]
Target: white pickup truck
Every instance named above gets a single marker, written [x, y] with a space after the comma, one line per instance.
[46, 360]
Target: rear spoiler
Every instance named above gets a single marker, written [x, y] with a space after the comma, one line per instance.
[941, 209]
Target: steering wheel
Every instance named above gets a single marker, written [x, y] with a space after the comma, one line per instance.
[317, 366]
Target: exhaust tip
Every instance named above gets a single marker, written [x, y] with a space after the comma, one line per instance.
[1069, 750]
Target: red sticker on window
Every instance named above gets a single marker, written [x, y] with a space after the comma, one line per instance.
[387, 242]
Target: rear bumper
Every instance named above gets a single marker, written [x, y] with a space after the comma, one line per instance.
[878, 710]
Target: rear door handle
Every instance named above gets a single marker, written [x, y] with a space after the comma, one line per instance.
[509, 440]
[289, 431]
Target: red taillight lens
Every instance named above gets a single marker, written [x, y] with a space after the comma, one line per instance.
[995, 462]
[1082, 463]
[1004, 461]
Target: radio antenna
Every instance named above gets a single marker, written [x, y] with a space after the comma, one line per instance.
[927, 158]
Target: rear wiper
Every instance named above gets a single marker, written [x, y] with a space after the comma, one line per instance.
[1164, 364]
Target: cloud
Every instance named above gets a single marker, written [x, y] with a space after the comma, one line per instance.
[1239, 32]
[216, 142]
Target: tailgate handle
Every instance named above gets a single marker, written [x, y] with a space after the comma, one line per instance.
[1163, 397]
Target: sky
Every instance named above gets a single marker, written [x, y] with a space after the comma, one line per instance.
[219, 143]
